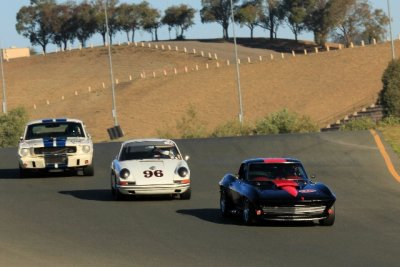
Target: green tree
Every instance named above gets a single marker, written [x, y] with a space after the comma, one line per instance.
[85, 22]
[128, 19]
[218, 11]
[36, 22]
[325, 16]
[100, 18]
[272, 17]
[361, 22]
[295, 12]
[150, 19]
[180, 17]
[64, 26]
[248, 14]
[390, 94]
[375, 26]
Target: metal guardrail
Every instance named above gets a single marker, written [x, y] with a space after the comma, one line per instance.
[355, 107]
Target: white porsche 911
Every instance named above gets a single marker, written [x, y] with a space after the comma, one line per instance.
[150, 167]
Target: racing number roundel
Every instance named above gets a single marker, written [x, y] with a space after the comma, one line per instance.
[156, 173]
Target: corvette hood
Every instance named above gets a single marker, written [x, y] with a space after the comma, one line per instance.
[152, 171]
[290, 190]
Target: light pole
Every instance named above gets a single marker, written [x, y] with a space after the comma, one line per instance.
[237, 68]
[390, 30]
[114, 108]
[4, 82]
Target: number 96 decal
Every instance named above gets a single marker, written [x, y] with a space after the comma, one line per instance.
[156, 173]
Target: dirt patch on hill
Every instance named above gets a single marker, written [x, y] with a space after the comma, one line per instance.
[155, 87]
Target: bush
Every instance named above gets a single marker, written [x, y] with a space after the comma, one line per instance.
[189, 126]
[12, 127]
[285, 122]
[390, 94]
[389, 121]
[363, 123]
[232, 128]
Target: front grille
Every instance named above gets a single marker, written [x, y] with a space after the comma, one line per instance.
[56, 159]
[54, 150]
[299, 210]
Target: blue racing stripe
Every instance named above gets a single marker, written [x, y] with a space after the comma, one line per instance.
[61, 142]
[48, 142]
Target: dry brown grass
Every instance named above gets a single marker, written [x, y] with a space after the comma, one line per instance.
[323, 86]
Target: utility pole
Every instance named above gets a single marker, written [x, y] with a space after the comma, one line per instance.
[114, 108]
[390, 30]
[237, 68]
[4, 82]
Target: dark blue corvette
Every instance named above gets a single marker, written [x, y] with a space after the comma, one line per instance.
[276, 189]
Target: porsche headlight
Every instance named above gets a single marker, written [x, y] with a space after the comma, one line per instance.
[86, 149]
[124, 173]
[182, 171]
[24, 152]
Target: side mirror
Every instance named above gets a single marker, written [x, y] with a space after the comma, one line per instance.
[313, 177]
[186, 157]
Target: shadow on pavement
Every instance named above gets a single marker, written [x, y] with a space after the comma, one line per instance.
[214, 216]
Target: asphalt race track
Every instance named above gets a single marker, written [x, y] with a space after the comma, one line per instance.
[62, 220]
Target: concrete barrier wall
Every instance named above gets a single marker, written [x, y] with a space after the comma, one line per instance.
[10, 53]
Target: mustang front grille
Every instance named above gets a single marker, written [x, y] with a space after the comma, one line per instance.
[294, 210]
[54, 150]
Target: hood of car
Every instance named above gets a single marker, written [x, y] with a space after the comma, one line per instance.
[54, 142]
[293, 190]
[153, 171]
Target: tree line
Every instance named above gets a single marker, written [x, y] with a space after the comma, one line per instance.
[344, 21]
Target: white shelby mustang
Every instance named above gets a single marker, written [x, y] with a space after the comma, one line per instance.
[55, 144]
[150, 167]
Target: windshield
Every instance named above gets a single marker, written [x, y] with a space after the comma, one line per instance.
[132, 152]
[271, 171]
[54, 130]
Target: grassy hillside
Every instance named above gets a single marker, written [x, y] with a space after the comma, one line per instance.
[324, 86]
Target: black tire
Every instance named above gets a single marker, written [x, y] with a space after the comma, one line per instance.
[88, 170]
[186, 195]
[330, 220]
[248, 213]
[224, 204]
[115, 192]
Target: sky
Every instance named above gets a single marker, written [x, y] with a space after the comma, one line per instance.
[10, 38]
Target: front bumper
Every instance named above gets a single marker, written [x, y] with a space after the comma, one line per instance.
[167, 189]
[294, 212]
[62, 161]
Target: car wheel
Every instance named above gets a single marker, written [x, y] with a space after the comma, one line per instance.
[115, 192]
[224, 204]
[88, 170]
[330, 220]
[186, 195]
[248, 213]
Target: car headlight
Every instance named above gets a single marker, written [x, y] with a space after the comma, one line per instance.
[182, 171]
[124, 173]
[24, 152]
[86, 149]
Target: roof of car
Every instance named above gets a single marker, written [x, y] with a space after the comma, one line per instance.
[149, 140]
[54, 120]
[272, 160]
